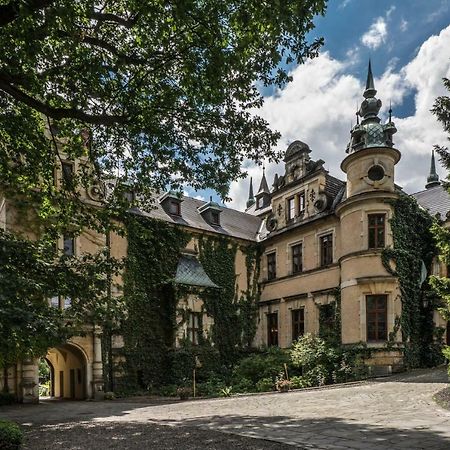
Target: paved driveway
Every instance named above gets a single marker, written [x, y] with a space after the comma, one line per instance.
[393, 413]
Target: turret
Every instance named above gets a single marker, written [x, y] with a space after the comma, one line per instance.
[371, 154]
[263, 195]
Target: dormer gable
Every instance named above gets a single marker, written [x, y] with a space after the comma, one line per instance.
[211, 212]
[171, 203]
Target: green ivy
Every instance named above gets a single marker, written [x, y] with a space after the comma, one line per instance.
[413, 243]
[330, 320]
[149, 328]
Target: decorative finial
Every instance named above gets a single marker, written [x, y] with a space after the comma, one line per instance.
[390, 111]
[357, 117]
[210, 198]
[370, 85]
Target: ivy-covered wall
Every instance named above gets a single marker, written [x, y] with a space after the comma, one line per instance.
[150, 324]
[414, 248]
[152, 301]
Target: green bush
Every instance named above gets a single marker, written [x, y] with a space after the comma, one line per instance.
[211, 388]
[11, 436]
[183, 360]
[323, 363]
[6, 398]
[168, 391]
[267, 364]
[300, 382]
[265, 385]
[243, 386]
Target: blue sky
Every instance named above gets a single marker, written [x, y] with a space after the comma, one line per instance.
[408, 42]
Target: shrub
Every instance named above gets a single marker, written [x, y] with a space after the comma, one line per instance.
[323, 363]
[109, 396]
[211, 388]
[184, 392]
[11, 436]
[446, 353]
[7, 398]
[264, 385]
[244, 385]
[267, 364]
[168, 391]
[300, 382]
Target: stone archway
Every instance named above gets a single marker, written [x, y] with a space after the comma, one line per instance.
[69, 375]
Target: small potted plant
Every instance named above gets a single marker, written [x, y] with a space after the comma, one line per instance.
[184, 392]
[283, 385]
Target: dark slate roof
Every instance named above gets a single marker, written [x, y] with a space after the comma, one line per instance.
[333, 185]
[191, 272]
[232, 223]
[435, 200]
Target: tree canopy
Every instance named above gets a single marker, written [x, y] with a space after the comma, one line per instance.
[156, 94]
[441, 109]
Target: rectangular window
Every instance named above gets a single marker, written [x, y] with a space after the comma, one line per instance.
[194, 327]
[272, 329]
[376, 230]
[291, 208]
[69, 245]
[54, 301]
[298, 323]
[326, 250]
[376, 317]
[301, 203]
[215, 218]
[175, 208]
[271, 266]
[67, 171]
[297, 258]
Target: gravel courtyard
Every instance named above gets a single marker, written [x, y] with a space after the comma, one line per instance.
[392, 413]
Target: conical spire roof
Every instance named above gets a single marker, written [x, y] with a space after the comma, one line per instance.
[433, 177]
[251, 197]
[263, 187]
[370, 85]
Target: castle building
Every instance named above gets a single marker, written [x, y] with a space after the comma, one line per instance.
[322, 237]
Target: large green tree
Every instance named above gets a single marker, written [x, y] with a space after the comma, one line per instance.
[441, 109]
[153, 92]
[150, 94]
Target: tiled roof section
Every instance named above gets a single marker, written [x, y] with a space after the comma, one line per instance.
[232, 223]
[190, 272]
[435, 199]
[333, 185]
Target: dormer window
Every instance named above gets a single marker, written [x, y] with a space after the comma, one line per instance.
[211, 212]
[171, 203]
[175, 207]
[215, 218]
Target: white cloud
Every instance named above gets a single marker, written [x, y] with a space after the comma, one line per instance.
[344, 3]
[376, 35]
[403, 25]
[319, 105]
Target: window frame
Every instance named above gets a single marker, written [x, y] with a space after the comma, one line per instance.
[215, 215]
[271, 263]
[68, 238]
[291, 208]
[373, 317]
[372, 231]
[67, 177]
[293, 256]
[326, 258]
[272, 329]
[301, 203]
[194, 327]
[297, 324]
[175, 208]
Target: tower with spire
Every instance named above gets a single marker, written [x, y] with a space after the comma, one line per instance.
[433, 177]
[371, 154]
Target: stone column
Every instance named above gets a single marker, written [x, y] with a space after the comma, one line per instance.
[30, 381]
[97, 365]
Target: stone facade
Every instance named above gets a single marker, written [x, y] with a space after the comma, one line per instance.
[321, 236]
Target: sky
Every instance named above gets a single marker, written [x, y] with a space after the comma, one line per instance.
[408, 42]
